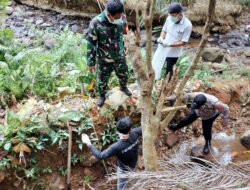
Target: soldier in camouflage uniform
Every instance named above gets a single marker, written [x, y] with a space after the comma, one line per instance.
[106, 48]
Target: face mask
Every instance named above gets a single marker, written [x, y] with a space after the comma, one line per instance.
[116, 21]
[174, 19]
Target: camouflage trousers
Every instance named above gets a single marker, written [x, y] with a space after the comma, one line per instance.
[104, 71]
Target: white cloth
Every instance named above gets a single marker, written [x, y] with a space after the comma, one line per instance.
[159, 59]
[175, 33]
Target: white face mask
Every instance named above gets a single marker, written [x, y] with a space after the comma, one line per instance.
[116, 21]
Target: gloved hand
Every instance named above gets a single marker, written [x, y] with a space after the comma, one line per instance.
[160, 40]
[166, 44]
[173, 126]
[86, 140]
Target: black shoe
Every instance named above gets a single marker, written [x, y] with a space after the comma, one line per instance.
[100, 101]
[126, 91]
[207, 148]
[173, 126]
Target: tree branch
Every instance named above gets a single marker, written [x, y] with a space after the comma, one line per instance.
[149, 13]
[166, 90]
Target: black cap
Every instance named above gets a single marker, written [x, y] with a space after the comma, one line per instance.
[124, 125]
[198, 101]
[175, 8]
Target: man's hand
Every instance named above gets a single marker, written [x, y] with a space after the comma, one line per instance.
[173, 126]
[160, 40]
[86, 140]
[92, 69]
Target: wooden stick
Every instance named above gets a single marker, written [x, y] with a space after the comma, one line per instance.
[69, 157]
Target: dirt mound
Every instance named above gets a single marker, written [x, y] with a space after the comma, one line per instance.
[230, 92]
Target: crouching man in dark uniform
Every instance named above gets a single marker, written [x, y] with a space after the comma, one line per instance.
[125, 149]
[208, 108]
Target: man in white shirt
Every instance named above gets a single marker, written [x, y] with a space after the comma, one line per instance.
[175, 34]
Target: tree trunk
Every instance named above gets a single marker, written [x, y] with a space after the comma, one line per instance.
[149, 126]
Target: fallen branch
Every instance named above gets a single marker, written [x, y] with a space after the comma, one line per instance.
[190, 175]
[169, 109]
[221, 70]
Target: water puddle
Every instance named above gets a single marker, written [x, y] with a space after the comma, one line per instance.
[230, 149]
[226, 149]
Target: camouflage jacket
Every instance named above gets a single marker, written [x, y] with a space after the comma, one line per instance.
[210, 109]
[104, 41]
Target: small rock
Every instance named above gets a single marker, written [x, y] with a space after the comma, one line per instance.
[247, 53]
[245, 139]
[213, 55]
[223, 45]
[45, 25]
[75, 28]
[39, 22]
[16, 14]
[26, 41]
[9, 10]
[197, 154]
[170, 139]
[31, 34]
[57, 184]
[29, 14]
[50, 43]
[211, 39]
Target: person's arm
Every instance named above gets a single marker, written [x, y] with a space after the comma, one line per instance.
[225, 112]
[185, 38]
[164, 30]
[187, 97]
[138, 131]
[91, 38]
[110, 151]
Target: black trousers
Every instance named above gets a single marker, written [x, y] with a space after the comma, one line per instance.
[206, 124]
[171, 61]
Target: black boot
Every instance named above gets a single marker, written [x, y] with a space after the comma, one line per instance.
[173, 126]
[207, 147]
[126, 91]
[101, 100]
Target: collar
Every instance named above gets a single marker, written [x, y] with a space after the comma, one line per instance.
[182, 20]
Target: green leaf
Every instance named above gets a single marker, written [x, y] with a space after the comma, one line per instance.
[70, 116]
[13, 120]
[3, 65]
[7, 146]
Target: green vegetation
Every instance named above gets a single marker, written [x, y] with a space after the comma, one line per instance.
[42, 72]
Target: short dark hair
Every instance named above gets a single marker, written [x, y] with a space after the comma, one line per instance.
[175, 8]
[114, 6]
[124, 125]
